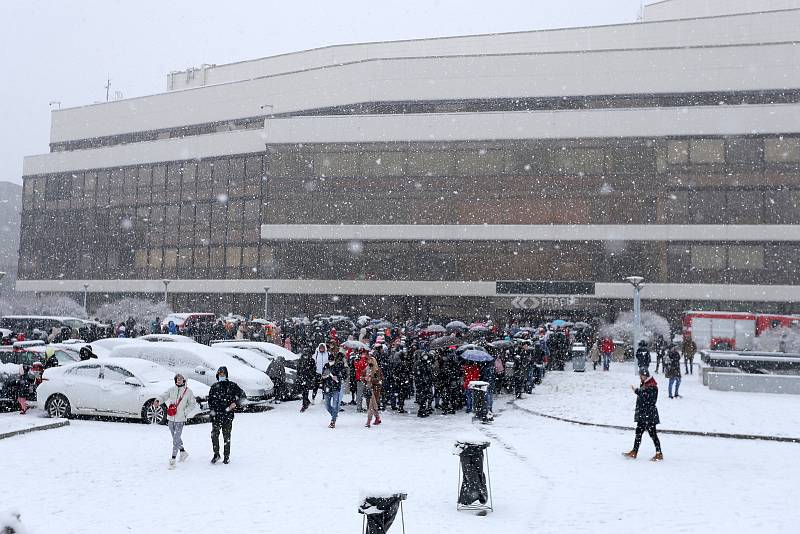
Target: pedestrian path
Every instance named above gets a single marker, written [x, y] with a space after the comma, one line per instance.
[13, 424]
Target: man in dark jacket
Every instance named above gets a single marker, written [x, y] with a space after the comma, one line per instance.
[334, 374]
[223, 398]
[276, 371]
[672, 370]
[643, 355]
[646, 414]
[689, 350]
[306, 377]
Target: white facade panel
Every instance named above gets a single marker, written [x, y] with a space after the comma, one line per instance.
[758, 28]
[605, 123]
[677, 70]
[199, 146]
[693, 292]
[519, 232]
[684, 9]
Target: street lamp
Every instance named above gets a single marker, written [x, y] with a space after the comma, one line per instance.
[638, 283]
[166, 287]
[85, 294]
[266, 302]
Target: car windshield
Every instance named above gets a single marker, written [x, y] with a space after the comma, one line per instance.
[152, 373]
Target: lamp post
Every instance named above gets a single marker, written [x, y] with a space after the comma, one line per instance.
[637, 282]
[85, 295]
[266, 302]
[166, 289]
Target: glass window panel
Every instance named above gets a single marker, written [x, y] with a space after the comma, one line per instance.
[708, 257]
[267, 258]
[140, 259]
[235, 210]
[438, 163]
[184, 258]
[337, 164]
[251, 210]
[77, 185]
[155, 258]
[707, 151]
[131, 183]
[783, 206]
[745, 207]
[745, 151]
[381, 164]
[253, 168]
[201, 257]
[747, 257]
[480, 162]
[676, 207]
[143, 180]
[233, 257]
[579, 161]
[159, 176]
[170, 258]
[677, 152]
[250, 256]
[217, 256]
[708, 207]
[782, 150]
[237, 170]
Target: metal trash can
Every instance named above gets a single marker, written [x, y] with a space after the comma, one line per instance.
[480, 407]
[578, 352]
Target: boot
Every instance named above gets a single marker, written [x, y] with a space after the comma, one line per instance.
[657, 458]
[369, 422]
[332, 425]
[378, 420]
[630, 454]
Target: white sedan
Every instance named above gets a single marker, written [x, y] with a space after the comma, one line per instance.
[122, 387]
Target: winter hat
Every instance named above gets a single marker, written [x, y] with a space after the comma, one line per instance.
[222, 371]
[644, 372]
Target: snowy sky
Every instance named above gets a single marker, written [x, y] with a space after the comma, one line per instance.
[64, 50]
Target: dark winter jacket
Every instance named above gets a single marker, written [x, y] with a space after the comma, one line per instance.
[672, 367]
[220, 397]
[306, 371]
[689, 348]
[643, 356]
[646, 397]
[333, 376]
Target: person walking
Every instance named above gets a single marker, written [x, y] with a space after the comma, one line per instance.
[223, 398]
[181, 404]
[689, 350]
[373, 379]
[607, 348]
[276, 371]
[643, 355]
[306, 377]
[333, 375]
[672, 370]
[594, 355]
[646, 415]
[360, 365]
[320, 359]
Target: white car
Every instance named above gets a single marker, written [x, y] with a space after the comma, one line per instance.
[267, 351]
[122, 387]
[199, 362]
[166, 338]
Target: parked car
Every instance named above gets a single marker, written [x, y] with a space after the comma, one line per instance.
[200, 363]
[270, 351]
[122, 387]
[27, 352]
[261, 362]
[180, 319]
[45, 323]
[166, 338]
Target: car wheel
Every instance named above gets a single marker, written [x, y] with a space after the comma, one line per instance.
[153, 415]
[58, 406]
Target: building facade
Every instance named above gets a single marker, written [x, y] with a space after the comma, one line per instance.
[457, 176]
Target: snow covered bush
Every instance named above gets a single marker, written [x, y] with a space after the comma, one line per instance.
[778, 340]
[142, 310]
[653, 325]
[30, 304]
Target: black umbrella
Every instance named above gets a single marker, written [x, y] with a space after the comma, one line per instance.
[445, 341]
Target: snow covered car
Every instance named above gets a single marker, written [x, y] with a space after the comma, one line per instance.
[166, 338]
[200, 363]
[260, 362]
[122, 387]
[268, 351]
[27, 352]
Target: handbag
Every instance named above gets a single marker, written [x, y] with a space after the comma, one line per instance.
[172, 409]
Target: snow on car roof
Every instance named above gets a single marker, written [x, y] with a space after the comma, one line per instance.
[166, 338]
[48, 317]
[272, 348]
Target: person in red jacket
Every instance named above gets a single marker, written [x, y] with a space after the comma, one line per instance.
[359, 365]
[607, 348]
[471, 373]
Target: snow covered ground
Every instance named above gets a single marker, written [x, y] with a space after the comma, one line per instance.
[290, 473]
[605, 397]
[12, 422]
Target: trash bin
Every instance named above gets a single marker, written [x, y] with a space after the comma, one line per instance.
[479, 405]
[380, 512]
[578, 352]
[475, 486]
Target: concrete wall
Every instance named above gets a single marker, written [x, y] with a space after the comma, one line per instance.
[660, 71]
[684, 9]
[764, 28]
[754, 383]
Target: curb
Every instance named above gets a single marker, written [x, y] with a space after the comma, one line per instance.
[48, 426]
[660, 431]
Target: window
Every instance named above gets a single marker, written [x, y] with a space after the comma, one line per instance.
[746, 257]
[678, 152]
[745, 151]
[251, 210]
[170, 258]
[114, 373]
[184, 258]
[155, 258]
[708, 257]
[480, 162]
[86, 371]
[253, 168]
[675, 207]
[707, 151]
[201, 257]
[379, 164]
[745, 207]
[336, 164]
[140, 259]
[708, 206]
[159, 177]
[217, 257]
[439, 163]
[250, 257]
[782, 150]
[233, 257]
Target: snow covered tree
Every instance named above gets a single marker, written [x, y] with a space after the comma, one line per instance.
[653, 325]
[30, 304]
[142, 310]
[778, 340]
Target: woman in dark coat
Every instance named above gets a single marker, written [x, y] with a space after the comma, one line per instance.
[646, 414]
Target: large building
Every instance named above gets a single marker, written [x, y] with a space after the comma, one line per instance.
[523, 173]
